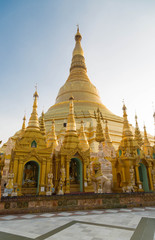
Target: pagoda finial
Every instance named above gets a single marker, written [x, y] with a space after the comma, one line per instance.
[83, 142]
[99, 130]
[138, 136]
[78, 36]
[71, 125]
[52, 138]
[77, 28]
[23, 126]
[78, 51]
[107, 136]
[126, 126]
[146, 141]
[33, 121]
[42, 124]
[124, 107]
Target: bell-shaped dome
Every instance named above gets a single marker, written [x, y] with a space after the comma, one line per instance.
[86, 98]
[78, 83]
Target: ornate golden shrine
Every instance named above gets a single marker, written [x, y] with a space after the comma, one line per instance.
[60, 158]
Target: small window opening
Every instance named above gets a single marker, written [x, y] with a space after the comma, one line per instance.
[34, 144]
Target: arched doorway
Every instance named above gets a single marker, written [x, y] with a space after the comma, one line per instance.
[76, 175]
[31, 175]
[143, 177]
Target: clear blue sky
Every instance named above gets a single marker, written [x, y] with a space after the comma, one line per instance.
[36, 43]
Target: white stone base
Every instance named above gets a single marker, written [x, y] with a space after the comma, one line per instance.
[14, 194]
[5, 194]
[48, 193]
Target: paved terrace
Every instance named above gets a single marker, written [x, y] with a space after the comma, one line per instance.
[107, 224]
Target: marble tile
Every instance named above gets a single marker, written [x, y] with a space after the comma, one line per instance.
[150, 208]
[64, 214]
[111, 211]
[97, 212]
[139, 209]
[91, 233]
[111, 225]
[9, 217]
[81, 213]
[124, 210]
[47, 215]
[29, 216]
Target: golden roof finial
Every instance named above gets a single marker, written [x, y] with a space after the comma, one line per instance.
[78, 49]
[33, 121]
[71, 125]
[52, 138]
[107, 136]
[83, 142]
[124, 107]
[42, 124]
[138, 136]
[71, 138]
[23, 126]
[99, 130]
[126, 126]
[77, 28]
[145, 136]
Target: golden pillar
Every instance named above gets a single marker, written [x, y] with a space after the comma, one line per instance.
[62, 160]
[42, 183]
[67, 178]
[114, 175]
[84, 172]
[15, 170]
[56, 170]
[139, 184]
[123, 174]
[48, 169]
[150, 177]
[20, 176]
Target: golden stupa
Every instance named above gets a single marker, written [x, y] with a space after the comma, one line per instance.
[86, 101]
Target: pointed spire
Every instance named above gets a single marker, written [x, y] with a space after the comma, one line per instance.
[107, 136]
[23, 126]
[138, 136]
[33, 121]
[99, 130]
[42, 124]
[71, 138]
[78, 82]
[78, 49]
[126, 127]
[52, 138]
[78, 60]
[83, 142]
[146, 141]
[71, 125]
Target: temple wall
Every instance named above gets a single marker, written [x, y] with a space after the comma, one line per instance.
[75, 202]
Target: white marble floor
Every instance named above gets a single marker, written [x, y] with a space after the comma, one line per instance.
[117, 224]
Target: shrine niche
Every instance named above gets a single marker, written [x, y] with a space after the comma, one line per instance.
[76, 175]
[30, 177]
[143, 177]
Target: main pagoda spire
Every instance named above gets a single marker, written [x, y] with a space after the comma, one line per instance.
[78, 60]
[78, 83]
